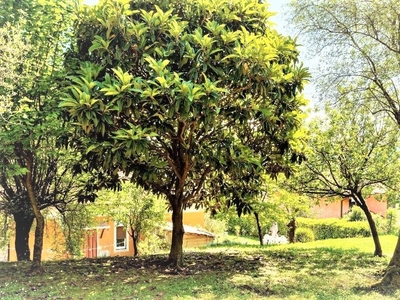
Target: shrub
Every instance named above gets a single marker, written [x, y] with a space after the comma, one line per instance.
[154, 242]
[304, 235]
[391, 221]
[334, 228]
[243, 226]
[380, 223]
[356, 214]
[216, 226]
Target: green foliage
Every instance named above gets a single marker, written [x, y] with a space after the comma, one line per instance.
[334, 228]
[304, 235]
[356, 214]
[392, 226]
[347, 155]
[4, 230]
[246, 225]
[142, 214]
[363, 63]
[193, 100]
[218, 226]
[74, 221]
[13, 49]
[243, 226]
[153, 243]
[35, 170]
[274, 205]
[166, 90]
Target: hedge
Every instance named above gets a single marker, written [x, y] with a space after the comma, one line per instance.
[304, 235]
[334, 228]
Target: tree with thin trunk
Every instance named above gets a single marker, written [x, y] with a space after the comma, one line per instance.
[31, 127]
[347, 157]
[358, 43]
[191, 99]
[140, 212]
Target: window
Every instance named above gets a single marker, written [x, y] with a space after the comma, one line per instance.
[121, 240]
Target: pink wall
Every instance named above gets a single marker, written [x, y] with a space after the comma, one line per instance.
[339, 208]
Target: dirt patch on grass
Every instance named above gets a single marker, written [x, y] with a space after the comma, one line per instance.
[195, 263]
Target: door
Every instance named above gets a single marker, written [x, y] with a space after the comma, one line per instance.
[91, 244]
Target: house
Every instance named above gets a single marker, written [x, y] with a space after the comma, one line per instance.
[193, 237]
[108, 238]
[340, 208]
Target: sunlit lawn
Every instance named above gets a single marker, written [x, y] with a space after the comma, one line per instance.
[237, 269]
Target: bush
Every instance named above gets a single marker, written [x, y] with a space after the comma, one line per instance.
[334, 228]
[243, 226]
[380, 223]
[154, 242]
[356, 214]
[391, 221]
[246, 225]
[304, 235]
[216, 226]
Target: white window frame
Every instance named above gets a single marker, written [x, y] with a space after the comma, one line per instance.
[126, 246]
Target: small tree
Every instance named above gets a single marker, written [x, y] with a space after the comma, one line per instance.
[140, 212]
[275, 204]
[360, 44]
[349, 157]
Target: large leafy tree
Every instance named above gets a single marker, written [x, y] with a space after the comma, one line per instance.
[192, 99]
[360, 44]
[351, 157]
[35, 172]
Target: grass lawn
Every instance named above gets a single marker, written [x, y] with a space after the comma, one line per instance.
[235, 269]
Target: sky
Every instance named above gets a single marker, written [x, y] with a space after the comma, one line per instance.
[283, 27]
[90, 2]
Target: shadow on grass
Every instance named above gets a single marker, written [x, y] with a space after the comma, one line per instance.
[204, 272]
[321, 259]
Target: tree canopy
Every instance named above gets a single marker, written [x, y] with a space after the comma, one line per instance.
[192, 99]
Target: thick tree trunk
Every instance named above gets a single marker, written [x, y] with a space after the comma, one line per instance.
[260, 236]
[391, 279]
[374, 231]
[176, 253]
[36, 266]
[23, 223]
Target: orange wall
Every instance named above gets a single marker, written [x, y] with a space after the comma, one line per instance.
[105, 235]
[53, 242]
[191, 218]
